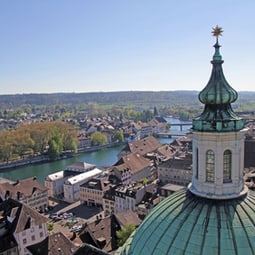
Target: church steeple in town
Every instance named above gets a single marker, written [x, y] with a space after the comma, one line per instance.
[218, 140]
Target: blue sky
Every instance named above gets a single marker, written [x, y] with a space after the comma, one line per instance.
[122, 45]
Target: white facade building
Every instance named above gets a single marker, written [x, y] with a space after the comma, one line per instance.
[54, 183]
[72, 185]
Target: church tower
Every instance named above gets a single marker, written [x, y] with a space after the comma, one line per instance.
[218, 138]
[215, 215]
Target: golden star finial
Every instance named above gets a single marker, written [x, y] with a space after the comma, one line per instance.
[217, 31]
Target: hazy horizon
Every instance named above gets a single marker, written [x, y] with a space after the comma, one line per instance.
[87, 92]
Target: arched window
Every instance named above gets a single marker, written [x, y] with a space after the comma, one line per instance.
[210, 166]
[227, 165]
[197, 161]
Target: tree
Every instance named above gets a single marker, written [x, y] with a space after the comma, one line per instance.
[124, 233]
[144, 181]
[55, 145]
[40, 133]
[118, 136]
[50, 226]
[69, 136]
[6, 150]
[97, 138]
[22, 142]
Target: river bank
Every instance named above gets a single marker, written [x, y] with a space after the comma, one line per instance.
[100, 158]
[44, 158]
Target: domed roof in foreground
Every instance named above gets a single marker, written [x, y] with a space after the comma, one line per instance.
[184, 223]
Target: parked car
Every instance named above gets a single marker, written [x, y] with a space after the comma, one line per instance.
[76, 228]
[67, 215]
[53, 215]
[57, 219]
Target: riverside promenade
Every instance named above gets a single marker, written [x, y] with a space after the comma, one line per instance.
[23, 162]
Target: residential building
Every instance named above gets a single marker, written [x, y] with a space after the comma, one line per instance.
[146, 145]
[127, 197]
[149, 201]
[134, 168]
[158, 125]
[22, 226]
[101, 233]
[27, 191]
[145, 130]
[168, 189]
[54, 244]
[109, 201]
[177, 170]
[84, 142]
[92, 191]
[127, 217]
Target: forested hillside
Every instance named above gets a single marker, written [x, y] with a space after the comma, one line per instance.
[137, 98]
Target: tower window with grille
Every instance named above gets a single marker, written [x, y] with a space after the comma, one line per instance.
[210, 166]
[227, 165]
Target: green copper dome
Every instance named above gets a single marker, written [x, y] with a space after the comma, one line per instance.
[217, 97]
[186, 224]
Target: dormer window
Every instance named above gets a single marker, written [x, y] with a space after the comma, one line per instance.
[227, 166]
[210, 166]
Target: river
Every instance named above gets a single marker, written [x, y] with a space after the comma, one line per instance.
[105, 157]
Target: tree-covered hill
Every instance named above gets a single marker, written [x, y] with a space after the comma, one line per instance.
[138, 98]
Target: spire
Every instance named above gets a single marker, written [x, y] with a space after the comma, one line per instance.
[217, 97]
[217, 31]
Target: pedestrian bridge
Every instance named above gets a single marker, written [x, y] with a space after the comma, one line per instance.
[169, 135]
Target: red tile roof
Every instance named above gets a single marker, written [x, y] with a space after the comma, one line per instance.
[148, 144]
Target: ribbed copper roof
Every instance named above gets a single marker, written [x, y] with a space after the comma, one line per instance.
[217, 90]
[217, 97]
[184, 223]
